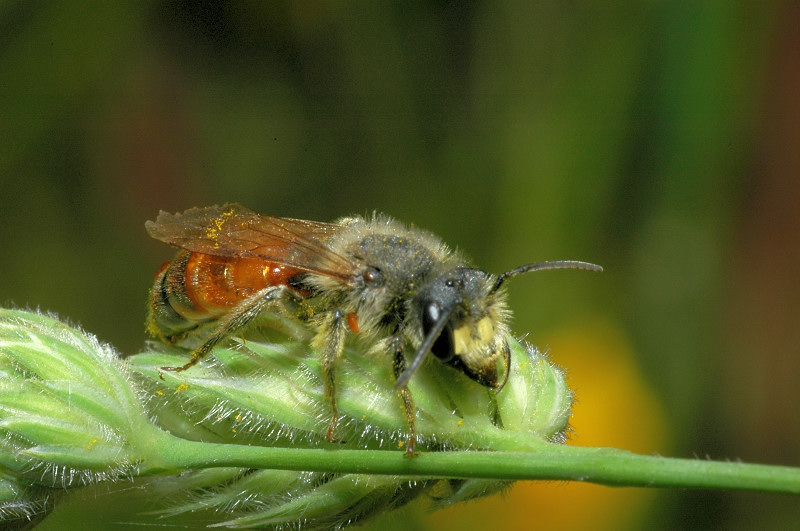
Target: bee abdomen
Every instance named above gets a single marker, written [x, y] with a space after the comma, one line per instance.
[196, 288]
[165, 318]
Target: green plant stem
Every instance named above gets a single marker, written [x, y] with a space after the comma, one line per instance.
[606, 466]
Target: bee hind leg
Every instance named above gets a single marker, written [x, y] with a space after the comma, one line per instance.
[236, 319]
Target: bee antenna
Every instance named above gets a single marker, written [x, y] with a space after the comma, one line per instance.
[423, 350]
[541, 266]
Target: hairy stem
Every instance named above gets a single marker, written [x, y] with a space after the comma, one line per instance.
[606, 466]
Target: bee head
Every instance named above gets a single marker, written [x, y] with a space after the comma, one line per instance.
[463, 325]
[463, 317]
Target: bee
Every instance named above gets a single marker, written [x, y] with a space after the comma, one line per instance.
[400, 288]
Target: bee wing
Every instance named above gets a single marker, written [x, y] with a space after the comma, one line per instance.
[233, 230]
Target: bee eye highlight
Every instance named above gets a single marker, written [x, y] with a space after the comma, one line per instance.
[372, 276]
[442, 347]
[430, 316]
[455, 283]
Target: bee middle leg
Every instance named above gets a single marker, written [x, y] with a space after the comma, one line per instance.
[329, 341]
[395, 347]
[237, 318]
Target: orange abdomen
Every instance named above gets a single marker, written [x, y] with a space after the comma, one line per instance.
[196, 288]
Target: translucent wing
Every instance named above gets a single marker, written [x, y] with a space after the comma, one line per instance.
[233, 230]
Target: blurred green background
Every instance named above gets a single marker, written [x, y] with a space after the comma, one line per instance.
[659, 139]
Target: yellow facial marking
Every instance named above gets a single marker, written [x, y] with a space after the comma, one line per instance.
[486, 328]
[469, 343]
[466, 339]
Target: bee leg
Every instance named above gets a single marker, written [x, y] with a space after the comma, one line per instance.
[240, 316]
[330, 343]
[395, 347]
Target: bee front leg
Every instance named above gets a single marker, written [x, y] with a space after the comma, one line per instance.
[330, 343]
[239, 317]
[395, 347]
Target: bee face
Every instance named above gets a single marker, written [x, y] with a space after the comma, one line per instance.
[473, 338]
[398, 287]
